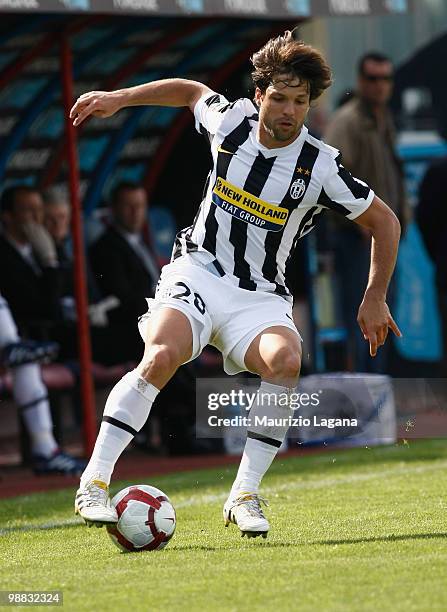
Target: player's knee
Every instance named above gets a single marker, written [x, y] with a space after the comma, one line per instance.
[160, 358]
[285, 364]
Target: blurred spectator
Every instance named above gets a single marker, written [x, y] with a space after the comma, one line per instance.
[431, 215]
[31, 396]
[125, 267]
[30, 278]
[57, 215]
[363, 131]
[57, 218]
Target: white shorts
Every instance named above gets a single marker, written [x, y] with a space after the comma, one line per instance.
[221, 314]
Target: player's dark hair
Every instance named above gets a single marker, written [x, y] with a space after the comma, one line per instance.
[120, 188]
[374, 56]
[8, 197]
[285, 55]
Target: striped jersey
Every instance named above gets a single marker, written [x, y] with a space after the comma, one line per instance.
[258, 202]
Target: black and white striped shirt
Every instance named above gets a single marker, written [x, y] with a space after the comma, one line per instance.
[257, 201]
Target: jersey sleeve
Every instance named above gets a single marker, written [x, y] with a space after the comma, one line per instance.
[209, 112]
[343, 193]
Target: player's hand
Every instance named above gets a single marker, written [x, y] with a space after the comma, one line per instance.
[374, 319]
[97, 103]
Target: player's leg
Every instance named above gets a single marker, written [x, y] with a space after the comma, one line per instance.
[176, 328]
[168, 345]
[275, 355]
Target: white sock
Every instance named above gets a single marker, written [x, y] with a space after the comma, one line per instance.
[263, 442]
[32, 396]
[126, 411]
[8, 329]
[255, 462]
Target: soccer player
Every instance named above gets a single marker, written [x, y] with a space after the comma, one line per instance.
[225, 285]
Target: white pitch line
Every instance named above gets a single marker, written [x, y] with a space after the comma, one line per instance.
[331, 482]
[42, 526]
[319, 484]
[198, 500]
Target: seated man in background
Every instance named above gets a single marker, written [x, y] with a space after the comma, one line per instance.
[56, 219]
[31, 395]
[30, 277]
[125, 266]
[57, 216]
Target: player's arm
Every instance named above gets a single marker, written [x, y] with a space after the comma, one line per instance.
[166, 92]
[374, 316]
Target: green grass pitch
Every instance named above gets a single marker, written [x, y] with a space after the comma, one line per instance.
[362, 529]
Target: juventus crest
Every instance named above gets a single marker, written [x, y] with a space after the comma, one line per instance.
[297, 189]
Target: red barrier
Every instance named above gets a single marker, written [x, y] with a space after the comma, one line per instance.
[85, 357]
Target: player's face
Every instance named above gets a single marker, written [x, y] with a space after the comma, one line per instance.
[376, 83]
[282, 110]
[130, 210]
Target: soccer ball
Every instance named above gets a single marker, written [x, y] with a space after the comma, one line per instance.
[146, 519]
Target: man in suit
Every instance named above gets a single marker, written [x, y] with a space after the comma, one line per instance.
[125, 266]
[30, 278]
[57, 222]
[31, 283]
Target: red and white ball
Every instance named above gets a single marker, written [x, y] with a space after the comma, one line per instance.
[146, 519]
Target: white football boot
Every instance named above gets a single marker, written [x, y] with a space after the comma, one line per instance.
[245, 511]
[92, 503]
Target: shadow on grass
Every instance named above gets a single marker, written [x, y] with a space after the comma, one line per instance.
[260, 543]
[389, 538]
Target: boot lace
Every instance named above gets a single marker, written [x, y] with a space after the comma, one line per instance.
[95, 495]
[252, 504]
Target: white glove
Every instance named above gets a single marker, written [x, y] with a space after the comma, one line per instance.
[42, 244]
[98, 312]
